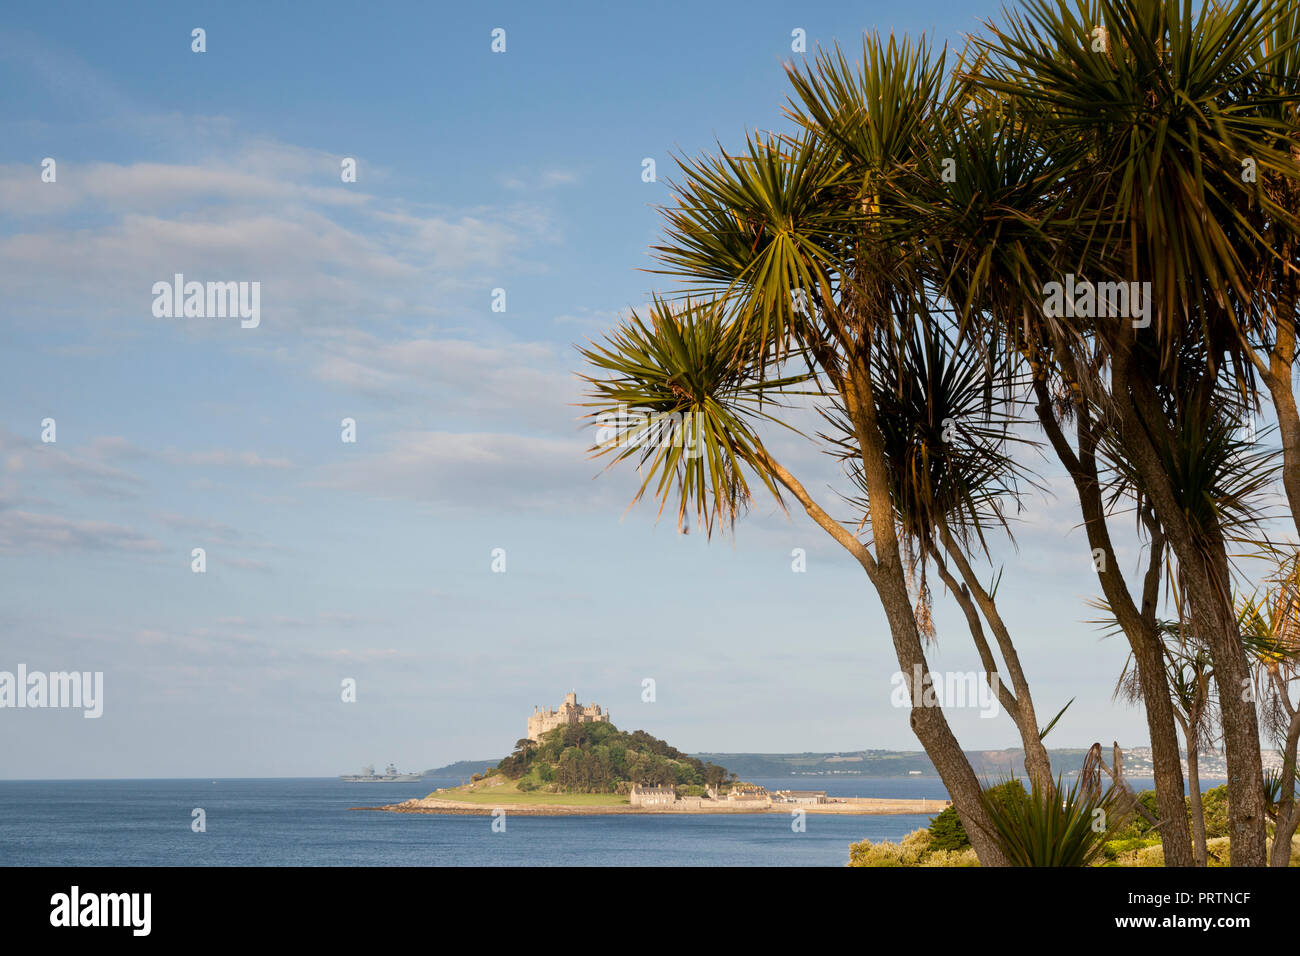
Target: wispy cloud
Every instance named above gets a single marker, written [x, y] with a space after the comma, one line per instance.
[24, 531]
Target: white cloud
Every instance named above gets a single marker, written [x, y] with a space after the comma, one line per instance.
[497, 471]
[325, 254]
[85, 469]
[543, 179]
[511, 383]
[24, 532]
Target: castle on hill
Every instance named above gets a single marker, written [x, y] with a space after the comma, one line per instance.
[569, 712]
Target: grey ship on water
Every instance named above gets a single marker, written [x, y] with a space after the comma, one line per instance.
[390, 775]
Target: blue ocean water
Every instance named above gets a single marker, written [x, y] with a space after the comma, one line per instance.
[306, 822]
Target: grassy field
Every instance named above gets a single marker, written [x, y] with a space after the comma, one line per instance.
[507, 793]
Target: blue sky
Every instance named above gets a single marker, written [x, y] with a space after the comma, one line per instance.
[372, 560]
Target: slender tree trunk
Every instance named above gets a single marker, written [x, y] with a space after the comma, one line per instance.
[1288, 427]
[1198, 810]
[1288, 811]
[1277, 377]
[973, 595]
[1037, 763]
[1166, 760]
[1213, 617]
[932, 729]
[928, 723]
[1204, 566]
[1138, 626]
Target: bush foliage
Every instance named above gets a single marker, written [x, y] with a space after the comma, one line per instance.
[600, 758]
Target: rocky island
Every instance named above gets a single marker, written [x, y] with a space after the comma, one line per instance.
[575, 761]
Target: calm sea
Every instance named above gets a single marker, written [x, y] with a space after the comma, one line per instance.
[306, 822]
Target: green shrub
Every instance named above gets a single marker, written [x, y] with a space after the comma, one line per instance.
[1214, 802]
[915, 849]
[1216, 852]
[907, 852]
[947, 832]
[1047, 827]
[1114, 849]
[964, 857]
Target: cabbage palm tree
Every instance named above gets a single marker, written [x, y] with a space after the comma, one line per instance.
[687, 361]
[946, 411]
[1217, 477]
[1157, 105]
[795, 282]
[1097, 138]
[996, 210]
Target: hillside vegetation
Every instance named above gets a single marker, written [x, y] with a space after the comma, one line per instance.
[600, 758]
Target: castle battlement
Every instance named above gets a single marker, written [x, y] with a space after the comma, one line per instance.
[569, 712]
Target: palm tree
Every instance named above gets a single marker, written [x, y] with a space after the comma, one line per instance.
[1217, 478]
[795, 282]
[946, 413]
[1102, 138]
[994, 231]
[1146, 98]
[1006, 219]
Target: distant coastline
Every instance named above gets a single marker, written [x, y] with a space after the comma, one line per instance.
[852, 806]
[991, 764]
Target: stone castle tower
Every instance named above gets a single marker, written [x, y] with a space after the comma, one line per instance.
[569, 712]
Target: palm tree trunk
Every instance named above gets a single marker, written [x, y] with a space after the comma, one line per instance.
[1198, 810]
[1018, 706]
[1288, 427]
[928, 723]
[1204, 567]
[1288, 811]
[932, 729]
[1138, 626]
[1277, 375]
[1166, 761]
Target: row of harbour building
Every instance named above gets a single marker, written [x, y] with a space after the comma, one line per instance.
[742, 797]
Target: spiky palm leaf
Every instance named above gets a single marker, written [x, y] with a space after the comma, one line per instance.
[681, 394]
[1164, 112]
[1221, 476]
[989, 206]
[755, 230]
[947, 417]
[1045, 827]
